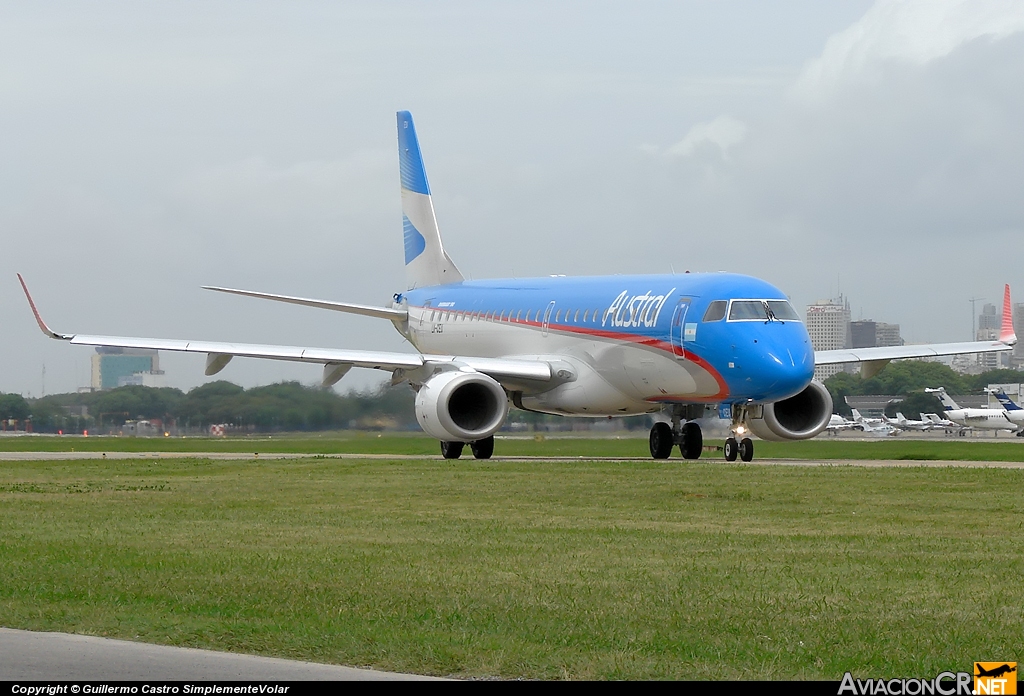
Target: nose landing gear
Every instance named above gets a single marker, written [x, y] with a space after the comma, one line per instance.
[745, 447]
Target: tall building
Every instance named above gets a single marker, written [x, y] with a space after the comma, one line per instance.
[863, 334]
[116, 367]
[988, 330]
[887, 334]
[828, 324]
[868, 334]
[1018, 328]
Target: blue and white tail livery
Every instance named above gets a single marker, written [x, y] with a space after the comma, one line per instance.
[593, 346]
[426, 262]
[1006, 402]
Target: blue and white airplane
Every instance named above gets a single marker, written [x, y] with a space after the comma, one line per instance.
[584, 346]
[1014, 413]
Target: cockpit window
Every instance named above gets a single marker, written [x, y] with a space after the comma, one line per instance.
[783, 310]
[762, 310]
[715, 311]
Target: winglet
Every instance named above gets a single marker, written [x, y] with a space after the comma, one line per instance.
[39, 320]
[1006, 332]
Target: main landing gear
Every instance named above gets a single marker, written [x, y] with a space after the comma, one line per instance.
[687, 435]
[482, 449]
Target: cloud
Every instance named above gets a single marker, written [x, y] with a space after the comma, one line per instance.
[724, 133]
[915, 32]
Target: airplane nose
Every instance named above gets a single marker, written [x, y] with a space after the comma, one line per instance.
[785, 369]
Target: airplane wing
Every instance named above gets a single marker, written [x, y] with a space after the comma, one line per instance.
[336, 361]
[874, 359]
[365, 310]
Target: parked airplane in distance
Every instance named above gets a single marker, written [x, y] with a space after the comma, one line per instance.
[1013, 412]
[874, 426]
[944, 423]
[862, 421]
[904, 423]
[585, 346]
[837, 423]
[980, 418]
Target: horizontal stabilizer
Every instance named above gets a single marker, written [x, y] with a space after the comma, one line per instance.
[365, 310]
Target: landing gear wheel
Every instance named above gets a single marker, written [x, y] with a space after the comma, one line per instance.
[451, 450]
[483, 449]
[661, 441]
[746, 449]
[693, 441]
[730, 449]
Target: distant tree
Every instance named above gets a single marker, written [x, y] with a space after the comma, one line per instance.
[135, 401]
[910, 375]
[841, 385]
[13, 406]
[214, 402]
[48, 416]
[913, 405]
[979, 382]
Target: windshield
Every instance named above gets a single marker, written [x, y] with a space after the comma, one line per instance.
[762, 310]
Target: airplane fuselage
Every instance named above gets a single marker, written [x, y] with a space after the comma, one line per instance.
[630, 343]
[982, 418]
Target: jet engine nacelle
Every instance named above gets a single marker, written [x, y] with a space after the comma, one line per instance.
[461, 406]
[799, 417]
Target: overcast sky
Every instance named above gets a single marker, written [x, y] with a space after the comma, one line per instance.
[149, 148]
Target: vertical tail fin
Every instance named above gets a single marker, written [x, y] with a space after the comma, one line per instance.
[1006, 402]
[426, 263]
[1006, 332]
[947, 403]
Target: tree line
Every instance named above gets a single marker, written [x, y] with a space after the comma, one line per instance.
[290, 406]
[908, 379]
[278, 407]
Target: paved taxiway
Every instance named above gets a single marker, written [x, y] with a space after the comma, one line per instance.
[884, 463]
[28, 655]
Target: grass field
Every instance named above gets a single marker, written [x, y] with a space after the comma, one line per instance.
[583, 569]
[1008, 449]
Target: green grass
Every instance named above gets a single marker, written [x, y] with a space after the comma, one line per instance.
[635, 445]
[603, 570]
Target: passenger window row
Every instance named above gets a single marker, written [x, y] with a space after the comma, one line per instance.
[584, 316]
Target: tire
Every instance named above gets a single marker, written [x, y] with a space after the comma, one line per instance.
[483, 449]
[731, 447]
[661, 441]
[451, 450]
[746, 449]
[693, 441]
